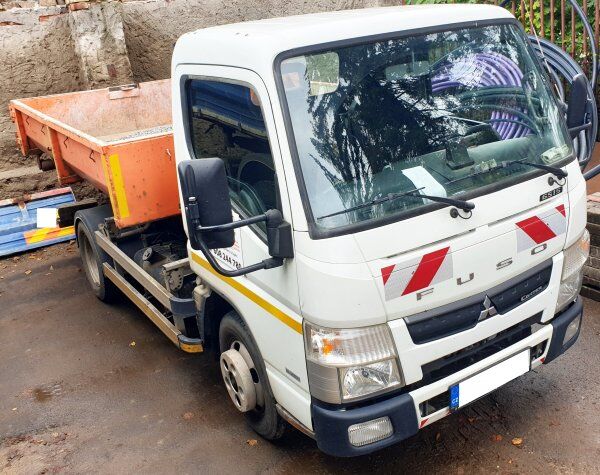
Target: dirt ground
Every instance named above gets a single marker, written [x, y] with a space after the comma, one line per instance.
[87, 387]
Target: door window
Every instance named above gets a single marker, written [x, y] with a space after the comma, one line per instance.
[226, 121]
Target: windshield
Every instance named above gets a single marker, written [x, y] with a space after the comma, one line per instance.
[449, 114]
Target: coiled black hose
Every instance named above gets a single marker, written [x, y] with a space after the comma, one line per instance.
[562, 67]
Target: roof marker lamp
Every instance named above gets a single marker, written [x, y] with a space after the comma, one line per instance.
[350, 364]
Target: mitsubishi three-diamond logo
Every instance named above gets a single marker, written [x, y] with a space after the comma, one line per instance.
[488, 310]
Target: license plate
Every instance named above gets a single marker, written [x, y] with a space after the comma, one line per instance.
[489, 379]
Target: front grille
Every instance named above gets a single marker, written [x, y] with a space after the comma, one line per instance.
[463, 315]
[507, 300]
[459, 360]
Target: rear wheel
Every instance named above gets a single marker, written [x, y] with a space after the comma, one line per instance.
[245, 378]
[90, 254]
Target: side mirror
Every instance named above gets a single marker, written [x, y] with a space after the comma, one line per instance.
[576, 112]
[206, 200]
[210, 222]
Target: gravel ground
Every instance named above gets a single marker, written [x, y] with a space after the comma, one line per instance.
[87, 387]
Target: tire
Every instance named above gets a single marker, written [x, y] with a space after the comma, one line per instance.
[265, 420]
[90, 254]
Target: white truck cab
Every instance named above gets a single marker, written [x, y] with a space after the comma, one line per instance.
[387, 205]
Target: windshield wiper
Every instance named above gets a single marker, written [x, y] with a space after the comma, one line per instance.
[461, 204]
[464, 205]
[557, 172]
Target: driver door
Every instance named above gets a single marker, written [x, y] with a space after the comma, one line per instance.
[227, 114]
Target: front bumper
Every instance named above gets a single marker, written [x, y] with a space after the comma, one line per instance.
[331, 423]
[559, 327]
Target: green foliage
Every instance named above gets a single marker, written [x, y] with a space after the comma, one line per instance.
[551, 29]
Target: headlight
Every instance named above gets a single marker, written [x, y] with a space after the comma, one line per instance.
[348, 364]
[358, 381]
[571, 279]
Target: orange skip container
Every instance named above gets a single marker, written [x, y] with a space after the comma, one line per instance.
[118, 139]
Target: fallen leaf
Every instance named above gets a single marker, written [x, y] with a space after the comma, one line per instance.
[517, 441]
[132, 344]
[252, 442]
[471, 419]
[27, 272]
[14, 408]
[438, 436]
[497, 438]
[188, 415]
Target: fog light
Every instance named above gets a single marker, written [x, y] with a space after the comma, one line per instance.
[370, 431]
[572, 329]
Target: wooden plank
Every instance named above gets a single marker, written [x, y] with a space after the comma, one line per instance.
[542, 20]
[594, 229]
[596, 21]
[594, 251]
[590, 293]
[530, 15]
[591, 273]
[562, 24]
[585, 39]
[593, 262]
[552, 24]
[573, 31]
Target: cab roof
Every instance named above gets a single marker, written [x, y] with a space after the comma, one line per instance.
[255, 44]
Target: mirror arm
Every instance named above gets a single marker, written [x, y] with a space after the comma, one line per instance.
[271, 217]
[574, 131]
[233, 225]
[266, 264]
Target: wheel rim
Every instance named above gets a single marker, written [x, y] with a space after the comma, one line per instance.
[89, 260]
[241, 378]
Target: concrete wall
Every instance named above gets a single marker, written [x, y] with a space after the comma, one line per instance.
[35, 58]
[100, 45]
[52, 50]
[152, 27]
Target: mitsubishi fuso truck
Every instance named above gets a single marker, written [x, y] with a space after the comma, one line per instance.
[372, 218]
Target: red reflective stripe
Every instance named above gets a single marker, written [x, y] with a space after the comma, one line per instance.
[426, 270]
[386, 272]
[561, 210]
[423, 422]
[536, 229]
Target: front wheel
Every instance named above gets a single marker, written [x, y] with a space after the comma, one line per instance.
[245, 378]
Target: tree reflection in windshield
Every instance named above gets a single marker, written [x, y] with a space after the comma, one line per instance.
[418, 112]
